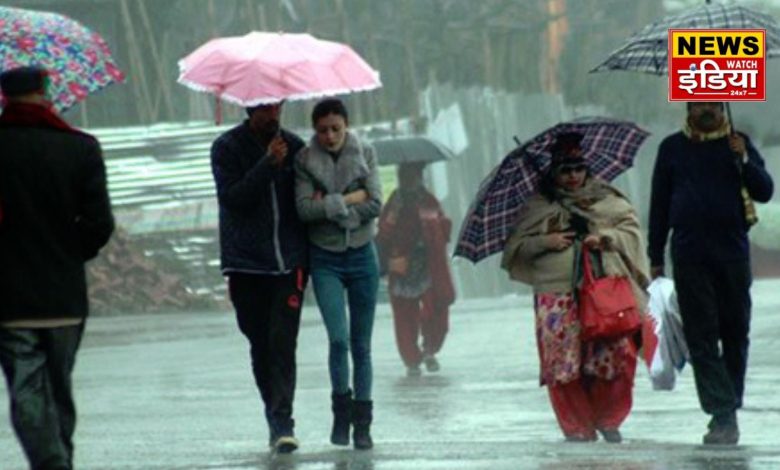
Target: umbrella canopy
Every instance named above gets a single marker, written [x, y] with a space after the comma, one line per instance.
[78, 60]
[647, 51]
[609, 146]
[410, 150]
[263, 68]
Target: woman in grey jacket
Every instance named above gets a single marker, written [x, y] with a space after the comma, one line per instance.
[338, 197]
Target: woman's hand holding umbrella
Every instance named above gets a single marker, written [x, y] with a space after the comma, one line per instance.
[559, 241]
[594, 242]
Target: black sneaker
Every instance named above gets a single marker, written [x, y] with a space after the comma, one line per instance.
[718, 434]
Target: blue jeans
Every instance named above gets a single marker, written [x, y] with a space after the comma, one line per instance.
[356, 273]
[38, 366]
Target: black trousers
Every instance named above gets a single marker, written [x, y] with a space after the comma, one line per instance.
[268, 310]
[37, 363]
[715, 303]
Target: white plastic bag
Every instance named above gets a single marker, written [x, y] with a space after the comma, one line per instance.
[666, 351]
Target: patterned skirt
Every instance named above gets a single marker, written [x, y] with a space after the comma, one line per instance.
[563, 356]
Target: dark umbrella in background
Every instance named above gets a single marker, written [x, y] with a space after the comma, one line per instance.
[395, 151]
[609, 146]
[78, 60]
[647, 50]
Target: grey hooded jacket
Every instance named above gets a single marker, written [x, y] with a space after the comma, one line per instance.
[320, 185]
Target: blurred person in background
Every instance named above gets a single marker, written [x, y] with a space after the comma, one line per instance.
[412, 241]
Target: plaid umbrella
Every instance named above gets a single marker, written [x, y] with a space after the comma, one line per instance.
[646, 51]
[608, 145]
[78, 60]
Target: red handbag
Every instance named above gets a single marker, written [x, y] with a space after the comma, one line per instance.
[607, 306]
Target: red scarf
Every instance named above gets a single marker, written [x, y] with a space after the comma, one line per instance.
[33, 115]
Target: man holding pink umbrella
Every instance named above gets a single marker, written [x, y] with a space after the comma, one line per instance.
[263, 246]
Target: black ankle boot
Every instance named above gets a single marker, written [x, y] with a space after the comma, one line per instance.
[361, 420]
[723, 430]
[341, 404]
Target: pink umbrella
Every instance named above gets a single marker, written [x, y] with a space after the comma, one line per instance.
[264, 68]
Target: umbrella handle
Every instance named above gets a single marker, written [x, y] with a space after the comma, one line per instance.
[217, 110]
[728, 116]
[733, 132]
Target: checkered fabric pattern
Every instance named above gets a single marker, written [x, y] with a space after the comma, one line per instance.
[647, 51]
[609, 147]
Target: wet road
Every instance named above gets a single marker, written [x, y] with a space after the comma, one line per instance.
[176, 392]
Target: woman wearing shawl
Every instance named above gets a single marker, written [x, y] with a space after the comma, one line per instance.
[589, 383]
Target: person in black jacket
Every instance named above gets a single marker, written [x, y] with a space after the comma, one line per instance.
[55, 215]
[264, 254]
[697, 193]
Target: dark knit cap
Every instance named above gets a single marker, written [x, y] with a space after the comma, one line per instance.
[250, 110]
[22, 81]
[565, 149]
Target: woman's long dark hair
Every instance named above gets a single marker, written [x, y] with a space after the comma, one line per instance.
[547, 185]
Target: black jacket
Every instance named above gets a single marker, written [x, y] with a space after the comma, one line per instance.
[259, 228]
[56, 216]
[696, 195]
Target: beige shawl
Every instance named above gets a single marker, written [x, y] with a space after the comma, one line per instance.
[609, 214]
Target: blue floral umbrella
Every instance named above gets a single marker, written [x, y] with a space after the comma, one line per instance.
[78, 60]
